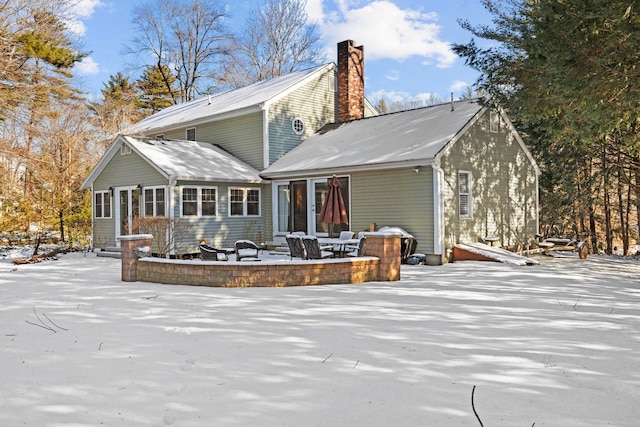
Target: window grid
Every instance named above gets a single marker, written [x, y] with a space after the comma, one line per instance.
[244, 202]
[199, 201]
[102, 204]
[464, 195]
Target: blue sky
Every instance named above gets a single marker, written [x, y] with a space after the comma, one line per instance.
[407, 42]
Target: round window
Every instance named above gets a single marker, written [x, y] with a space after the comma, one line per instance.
[298, 126]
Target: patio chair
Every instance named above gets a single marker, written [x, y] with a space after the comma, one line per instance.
[209, 253]
[407, 248]
[247, 250]
[339, 249]
[357, 250]
[313, 248]
[296, 246]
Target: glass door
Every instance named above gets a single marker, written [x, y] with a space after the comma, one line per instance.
[128, 209]
[299, 206]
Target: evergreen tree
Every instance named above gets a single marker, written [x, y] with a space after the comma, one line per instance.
[156, 86]
[567, 73]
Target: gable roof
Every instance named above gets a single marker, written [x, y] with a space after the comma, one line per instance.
[227, 104]
[407, 138]
[182, 160]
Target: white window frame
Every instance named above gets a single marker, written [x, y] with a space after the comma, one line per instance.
[198, 201]
[296, 130]
[465, 195]
[154, 201]
[186, 134]
[245, 191]
[494, 122]
[104, 195]
[125, 149]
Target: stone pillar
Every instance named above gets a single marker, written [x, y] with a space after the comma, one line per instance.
[128, 246]
[385, 246]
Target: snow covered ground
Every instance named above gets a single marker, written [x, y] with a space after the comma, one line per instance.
[556, 345]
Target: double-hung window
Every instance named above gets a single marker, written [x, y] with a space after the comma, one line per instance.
[465, 201]
[154, 202]
[244, 201]
[102, 204]
[199, 201]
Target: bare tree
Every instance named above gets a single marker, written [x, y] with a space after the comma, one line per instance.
[277, 39]
[187, 37]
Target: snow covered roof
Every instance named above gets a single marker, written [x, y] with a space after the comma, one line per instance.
[183, 160]
[223, 105]
[412, 137]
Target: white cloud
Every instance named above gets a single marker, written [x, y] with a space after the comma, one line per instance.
[458, 85]
[86, 8]
[389, 95]
[386, 30]
[79, 10]
[393, 76]
[87, 66]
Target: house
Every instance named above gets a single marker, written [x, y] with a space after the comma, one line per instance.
[254, 163]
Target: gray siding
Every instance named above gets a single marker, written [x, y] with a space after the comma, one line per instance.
[314, 103]
[240, 136]
[398, 197]
[504, 192]
[222, 230]
[122, 170]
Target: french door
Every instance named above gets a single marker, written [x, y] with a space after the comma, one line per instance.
[298, 205]
[127, 210]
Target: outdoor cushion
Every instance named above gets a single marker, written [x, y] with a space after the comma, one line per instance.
[246, 249]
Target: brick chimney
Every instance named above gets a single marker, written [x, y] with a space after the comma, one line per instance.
[350, 81]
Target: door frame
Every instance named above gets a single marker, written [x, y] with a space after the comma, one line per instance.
[118, 214]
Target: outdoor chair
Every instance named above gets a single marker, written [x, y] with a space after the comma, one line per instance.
[247, 250]
[339, 249]
[296, 246]
[406, 248]
[357, 250]
[209, 253]
[314, 251]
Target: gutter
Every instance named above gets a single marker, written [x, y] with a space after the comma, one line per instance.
[347, 169]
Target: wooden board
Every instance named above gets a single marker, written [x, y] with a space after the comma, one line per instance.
[482, 252]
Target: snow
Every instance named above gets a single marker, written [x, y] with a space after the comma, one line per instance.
[555, 345]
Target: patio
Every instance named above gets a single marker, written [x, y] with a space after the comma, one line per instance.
[381, 264]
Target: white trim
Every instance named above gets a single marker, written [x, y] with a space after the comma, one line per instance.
[144, 199]
[293, 126]
[245, 191]
[469, 215]
[198, 200]
[265, 136]
[93, 200]
[438, 212]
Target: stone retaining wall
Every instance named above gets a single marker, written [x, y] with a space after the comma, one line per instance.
[382, 263]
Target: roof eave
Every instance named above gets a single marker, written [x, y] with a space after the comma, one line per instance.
[203, 120]
[348, 169]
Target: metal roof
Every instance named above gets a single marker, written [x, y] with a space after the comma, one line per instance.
[222, 105]
[192, 160]
[407, 137]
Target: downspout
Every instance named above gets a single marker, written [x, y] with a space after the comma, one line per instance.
[171, 203]
[438, 212]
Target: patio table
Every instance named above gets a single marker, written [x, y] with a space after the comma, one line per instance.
[338, 245]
